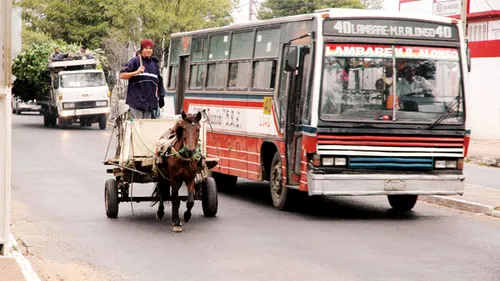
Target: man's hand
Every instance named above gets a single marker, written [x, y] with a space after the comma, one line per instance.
[141, 69]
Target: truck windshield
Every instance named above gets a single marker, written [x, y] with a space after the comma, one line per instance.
[82, 80]
[359, 83]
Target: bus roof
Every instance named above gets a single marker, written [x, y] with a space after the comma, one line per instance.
[333, 13]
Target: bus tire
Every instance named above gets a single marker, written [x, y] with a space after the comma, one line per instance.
[280, 194]
[402, 203]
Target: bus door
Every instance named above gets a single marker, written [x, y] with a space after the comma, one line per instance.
[297, 62]
[181, 83]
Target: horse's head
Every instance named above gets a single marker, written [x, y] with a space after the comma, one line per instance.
[188, 130]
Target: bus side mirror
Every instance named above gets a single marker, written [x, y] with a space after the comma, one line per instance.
[291, 53]
[469, 63]
[56, 83]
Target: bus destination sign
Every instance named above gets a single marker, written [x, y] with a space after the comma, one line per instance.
[390, 28]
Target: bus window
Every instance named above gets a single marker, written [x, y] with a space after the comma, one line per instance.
[199, 49]
[216, 75]
[172, 81]
[242, 45]
[264, 74]
[219, 47]
[267, 43]
[197, 75]
[175, 50]
[239, 72]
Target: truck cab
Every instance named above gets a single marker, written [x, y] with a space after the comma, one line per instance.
[79, 93]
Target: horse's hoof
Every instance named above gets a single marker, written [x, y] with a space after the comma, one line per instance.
[159, 215]
[187, 216]
[177, 228]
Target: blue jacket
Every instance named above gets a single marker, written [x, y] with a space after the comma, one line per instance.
[141, 90]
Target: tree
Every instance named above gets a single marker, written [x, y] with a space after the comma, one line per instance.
[73, 21]
[281, 8]
[373, 4]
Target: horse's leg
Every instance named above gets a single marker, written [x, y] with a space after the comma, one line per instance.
[160, 213]
[190, 200]
[176, 203]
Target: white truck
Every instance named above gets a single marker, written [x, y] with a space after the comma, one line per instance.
[78, 93]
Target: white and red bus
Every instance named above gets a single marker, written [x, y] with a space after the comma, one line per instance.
[339, 102]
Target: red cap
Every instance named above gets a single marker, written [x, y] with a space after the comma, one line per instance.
[147, 43]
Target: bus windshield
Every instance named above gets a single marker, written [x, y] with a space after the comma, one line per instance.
[359, 83]
[82, 80]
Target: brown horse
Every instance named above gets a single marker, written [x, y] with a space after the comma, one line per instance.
[180, 164]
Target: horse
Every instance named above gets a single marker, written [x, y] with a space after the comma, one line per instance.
[180, 163]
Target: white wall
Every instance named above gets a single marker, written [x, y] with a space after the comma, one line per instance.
[483, 99]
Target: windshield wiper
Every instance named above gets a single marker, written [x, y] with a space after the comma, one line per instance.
[445, 115]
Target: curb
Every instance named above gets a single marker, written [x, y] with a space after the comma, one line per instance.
[484, 160]
[26, 269]
[460, 204]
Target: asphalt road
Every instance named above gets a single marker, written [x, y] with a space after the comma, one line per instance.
[58, 212]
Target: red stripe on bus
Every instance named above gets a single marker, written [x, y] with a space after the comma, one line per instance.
[376, 143]
[236, 103]
[389, 138]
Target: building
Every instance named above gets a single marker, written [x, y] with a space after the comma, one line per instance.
[483, 18]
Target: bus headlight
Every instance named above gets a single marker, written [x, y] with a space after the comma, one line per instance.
[340, 161]
[445, 164]
[327, 161]
[451, 164]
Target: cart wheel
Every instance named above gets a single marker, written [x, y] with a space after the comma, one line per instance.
[209, 199]
[111, 198]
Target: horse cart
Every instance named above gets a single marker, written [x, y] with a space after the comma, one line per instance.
[138, 160]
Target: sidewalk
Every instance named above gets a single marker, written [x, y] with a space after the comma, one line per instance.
[476, 199]
[484, 152]
[10, 270]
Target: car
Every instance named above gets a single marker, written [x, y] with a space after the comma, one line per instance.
[18, 106]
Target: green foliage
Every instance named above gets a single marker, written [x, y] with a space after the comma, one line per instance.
[30, 37]
[32, 76]
[282, 8]
[31, 69]
[73, 21]
[139, 19]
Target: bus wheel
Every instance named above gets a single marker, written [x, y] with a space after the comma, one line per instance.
[279, 192]
[402, 202]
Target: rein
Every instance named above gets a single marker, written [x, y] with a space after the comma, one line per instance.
[196, 155]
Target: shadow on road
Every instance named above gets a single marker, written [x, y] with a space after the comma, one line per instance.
[322, 207]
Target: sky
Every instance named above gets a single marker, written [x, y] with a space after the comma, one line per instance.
[241, 14]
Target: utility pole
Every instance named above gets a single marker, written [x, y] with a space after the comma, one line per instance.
[250, 10]
[5, 123]
[463, 17]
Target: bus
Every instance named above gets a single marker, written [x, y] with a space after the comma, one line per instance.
[340, 102]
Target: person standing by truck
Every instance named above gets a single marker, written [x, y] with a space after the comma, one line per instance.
[144, 83]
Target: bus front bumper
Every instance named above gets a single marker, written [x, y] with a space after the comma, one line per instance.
[384, 184]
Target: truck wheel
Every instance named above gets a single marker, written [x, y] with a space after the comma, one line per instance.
[279, 192]
[209, 198]
[52, 121]
[111, 198]
[102, 122]
[64, 123]
[402, 202]
[46, 120]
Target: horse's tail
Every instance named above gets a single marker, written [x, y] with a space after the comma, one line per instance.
[161, 190]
